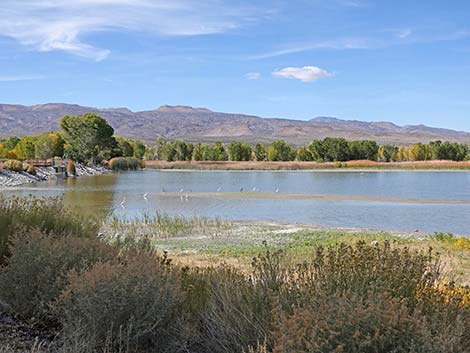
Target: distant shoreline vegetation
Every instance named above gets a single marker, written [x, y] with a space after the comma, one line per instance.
[90, 139]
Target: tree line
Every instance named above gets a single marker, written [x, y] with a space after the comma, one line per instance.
[89, 138]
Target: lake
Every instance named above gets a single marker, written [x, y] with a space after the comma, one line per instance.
[402, 201]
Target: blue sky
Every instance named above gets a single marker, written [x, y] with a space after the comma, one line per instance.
[396, 60]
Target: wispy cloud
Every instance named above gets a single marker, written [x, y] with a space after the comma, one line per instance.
[304, 74]
[354, 3]
[47, 25]
[14, 78]
[351, 43]
[397, 36]
[252, 76]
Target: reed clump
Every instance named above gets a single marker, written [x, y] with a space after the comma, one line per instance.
[161, 225]
[125, 163]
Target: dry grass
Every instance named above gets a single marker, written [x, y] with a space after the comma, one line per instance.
[254, 165]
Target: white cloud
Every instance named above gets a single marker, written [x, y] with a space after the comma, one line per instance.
[253, 76]
[47, 25]
[14, 78]
[304, 74]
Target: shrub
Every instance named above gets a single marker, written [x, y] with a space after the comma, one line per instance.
[28, 168]
[48, 215]
[131, 306]
[14, 165]
[125, 163]
[233, 313]
[71, 170]
[348, 323]
[36, 271]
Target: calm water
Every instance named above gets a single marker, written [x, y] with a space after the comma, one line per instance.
[428, 201]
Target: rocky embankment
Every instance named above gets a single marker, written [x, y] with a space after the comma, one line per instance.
[11, 179]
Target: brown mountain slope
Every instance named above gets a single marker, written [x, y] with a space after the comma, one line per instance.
[201, 124]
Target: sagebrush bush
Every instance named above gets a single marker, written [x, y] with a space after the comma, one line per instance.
[125, 163]
[132, 306]
[36, 272]
[13, 165]
[231, 314]
[48, 215]
[353, 324]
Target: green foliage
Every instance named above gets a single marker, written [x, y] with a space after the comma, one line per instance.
[26, 148]
[238, 151]
[198, 152]
[281, 151]
[174, 150]
[10, 143]
[363, 149]
[125, 147]
[387, 153]
[448, 151]
[304, 155]
[260, 152]
[212, 153]
[49, 145]
[88, 137]
[125, 163]
[36, 271]
[139, 149]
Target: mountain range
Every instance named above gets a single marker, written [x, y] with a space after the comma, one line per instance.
[204, 125]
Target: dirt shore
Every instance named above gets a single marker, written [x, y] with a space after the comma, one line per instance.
[337, 166]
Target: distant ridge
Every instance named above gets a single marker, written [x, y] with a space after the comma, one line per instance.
[202, 124]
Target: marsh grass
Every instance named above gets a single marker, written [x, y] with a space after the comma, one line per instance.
[163, 226]
[125, 163]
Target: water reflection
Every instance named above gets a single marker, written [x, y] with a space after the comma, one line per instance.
[91, 195]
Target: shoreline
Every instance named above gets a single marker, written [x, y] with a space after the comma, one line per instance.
[351, 166]
[10, 179]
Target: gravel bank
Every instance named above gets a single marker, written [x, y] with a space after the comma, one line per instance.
[12, 179]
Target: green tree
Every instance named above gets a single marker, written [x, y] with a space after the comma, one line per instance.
[304, 155]
[139, 149]
[335, 149]
[198, 152]
[260, 152]
[317, 151]
[238, 151]
[26, 148]
[363, 149]
[417, 152]
[49, 145]
[387, 153]
[10, 143]
[281, 151]
[125, 147]
[88, 137]
[219, 153]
